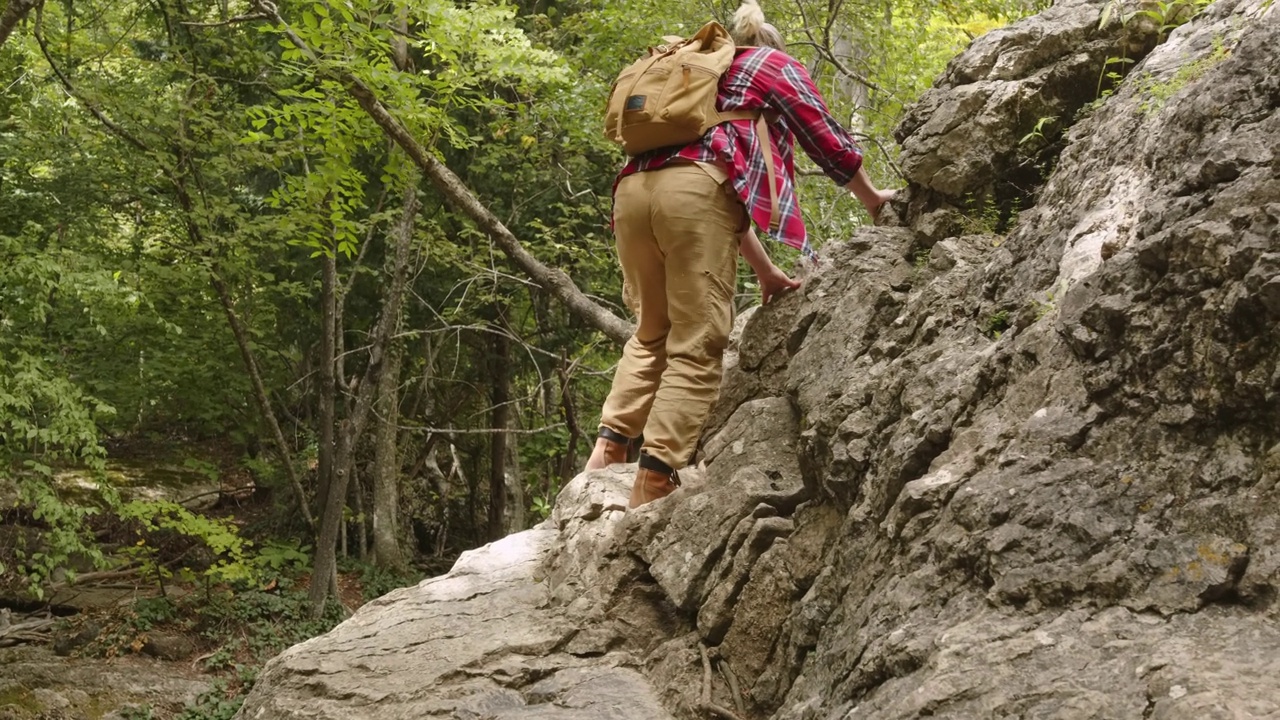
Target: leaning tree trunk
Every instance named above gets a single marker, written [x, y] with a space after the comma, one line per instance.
[241, 334]
[328, 383]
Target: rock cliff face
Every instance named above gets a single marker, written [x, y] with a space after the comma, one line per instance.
[962, 474]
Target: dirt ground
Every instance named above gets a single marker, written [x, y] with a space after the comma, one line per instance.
[120, 672]
[36, 684]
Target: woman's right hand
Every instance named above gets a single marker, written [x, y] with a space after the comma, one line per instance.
[882, 198]
[773, 281]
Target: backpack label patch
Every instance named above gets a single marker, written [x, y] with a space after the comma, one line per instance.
[635, 102]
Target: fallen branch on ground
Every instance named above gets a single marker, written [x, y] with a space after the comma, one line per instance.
[89, 578]
[38, 630]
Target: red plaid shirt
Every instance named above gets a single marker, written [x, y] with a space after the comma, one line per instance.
[766, 79]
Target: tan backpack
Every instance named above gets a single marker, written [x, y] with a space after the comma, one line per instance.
[668, 97]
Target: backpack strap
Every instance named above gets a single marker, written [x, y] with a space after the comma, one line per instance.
[762, 134]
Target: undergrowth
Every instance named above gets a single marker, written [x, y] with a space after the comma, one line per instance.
[235, 630]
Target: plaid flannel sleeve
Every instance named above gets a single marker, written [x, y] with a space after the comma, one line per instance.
[822, 138]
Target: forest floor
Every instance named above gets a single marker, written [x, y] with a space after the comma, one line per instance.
[118, 663]
[134, 643]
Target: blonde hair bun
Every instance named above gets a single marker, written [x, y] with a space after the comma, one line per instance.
[747, 22]
[749, 27]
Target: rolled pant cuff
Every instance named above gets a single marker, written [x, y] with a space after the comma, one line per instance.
[612, 435]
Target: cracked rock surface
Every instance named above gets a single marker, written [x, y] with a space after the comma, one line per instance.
[484, 641]
[959, 474]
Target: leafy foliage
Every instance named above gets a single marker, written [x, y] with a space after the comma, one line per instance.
[229, 562]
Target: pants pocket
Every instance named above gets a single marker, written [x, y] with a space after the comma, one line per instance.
[629, 298]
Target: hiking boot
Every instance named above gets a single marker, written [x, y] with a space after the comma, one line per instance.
[611, 447]
[654, 481]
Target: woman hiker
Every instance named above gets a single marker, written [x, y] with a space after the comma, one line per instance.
[681, 217]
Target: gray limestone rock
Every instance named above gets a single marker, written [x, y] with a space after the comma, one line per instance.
[169, 647]
[492, 639]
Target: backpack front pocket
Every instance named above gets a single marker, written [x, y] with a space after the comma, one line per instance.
[688, 99]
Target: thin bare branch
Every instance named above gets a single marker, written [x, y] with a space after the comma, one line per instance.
[70, 89]
[705, 703]
[861, 138]
[95, 578]
[884, 153]
[483, 431]
[840, 67]
[833, 12]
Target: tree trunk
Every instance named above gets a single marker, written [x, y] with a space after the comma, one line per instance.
[359, 524]
[386, 455]
[342, 541]
[516, 505]
[500, 397]
[849, 89]
[386, 467]
[364, 391]
[328, 384]
[260, 396]
[456, 468]
[399, 46]
[13, 14]
[472, 481]
[569, 461]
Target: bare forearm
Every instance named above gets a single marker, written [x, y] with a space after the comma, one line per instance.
[772, 280]
[863, 189]
[753, 252]
[871, 197]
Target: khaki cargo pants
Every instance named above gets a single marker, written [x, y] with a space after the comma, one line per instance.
[677, 236]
